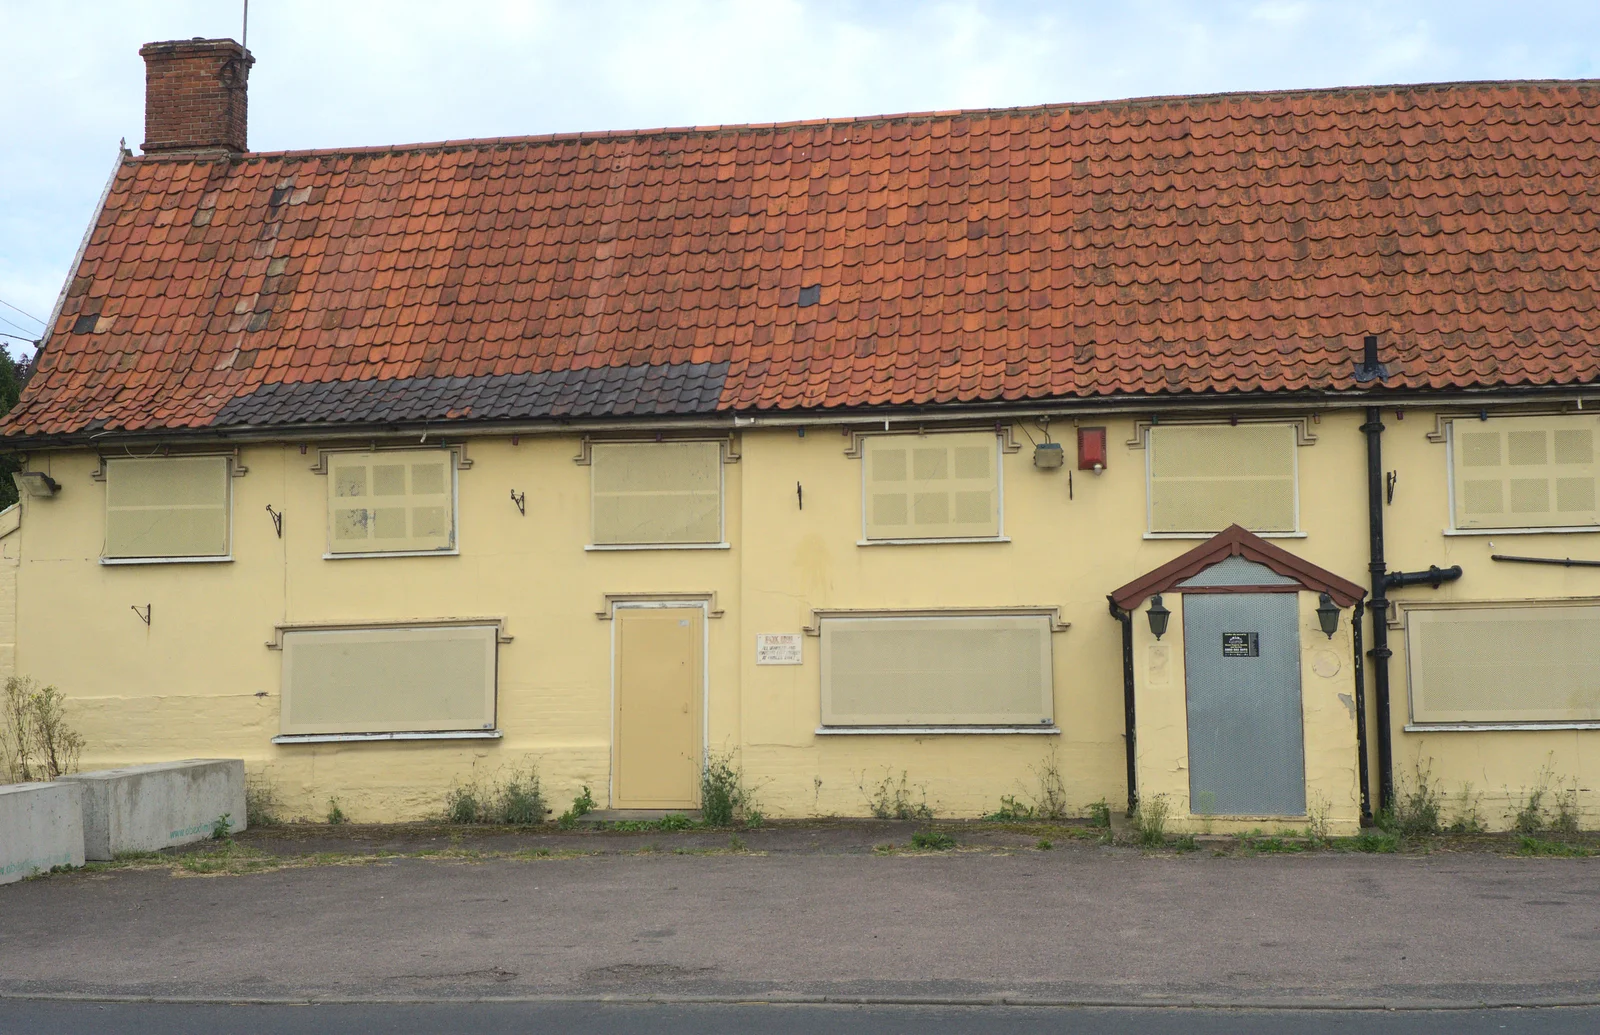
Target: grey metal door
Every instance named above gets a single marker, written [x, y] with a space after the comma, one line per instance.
[1241, 654]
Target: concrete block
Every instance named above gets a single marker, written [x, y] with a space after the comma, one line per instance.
[143, 808]
[41, 825]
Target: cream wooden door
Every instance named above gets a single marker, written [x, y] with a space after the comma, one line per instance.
[659, 668]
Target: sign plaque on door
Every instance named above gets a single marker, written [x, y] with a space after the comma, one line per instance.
[1240, 645]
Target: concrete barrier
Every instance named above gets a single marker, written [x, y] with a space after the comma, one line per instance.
[142, 808]
[41, 825]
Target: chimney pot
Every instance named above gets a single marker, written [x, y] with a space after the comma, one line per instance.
[195, 94]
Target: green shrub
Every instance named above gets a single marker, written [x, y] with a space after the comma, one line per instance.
[35, 741]
[219, 829]
[260, 802]
[724, 799]
[517, 800]
[582, 805]
[1100, 815]
[1534, 846]
[1011, 810]
[336, 815]
[1045, 844]
[932, 840]
[891, 800]
[1150, 821]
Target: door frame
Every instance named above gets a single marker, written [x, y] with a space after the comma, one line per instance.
[704, 606]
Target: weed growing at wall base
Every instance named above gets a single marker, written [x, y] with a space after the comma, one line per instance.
[336, 815]
[724, 798]
[582, 805]
[35, 741]
[260, 802]
[518, 800]
[891, 800]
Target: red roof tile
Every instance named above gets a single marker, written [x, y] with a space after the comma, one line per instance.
[1235, 243]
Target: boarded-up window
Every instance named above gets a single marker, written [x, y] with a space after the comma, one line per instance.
[980, 670]
[1491, 664]
[1205, 477]
[1524, 472]
[167, 507]
[941, 486]
[657, 493]
[392, 501]
[396, 680]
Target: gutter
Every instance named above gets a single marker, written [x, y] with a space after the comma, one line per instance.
[904, 419]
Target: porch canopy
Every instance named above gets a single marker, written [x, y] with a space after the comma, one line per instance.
[1236, 541]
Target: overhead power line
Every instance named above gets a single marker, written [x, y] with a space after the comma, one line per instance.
[24, 312]
[13, 323]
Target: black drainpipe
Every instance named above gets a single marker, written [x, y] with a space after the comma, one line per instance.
[1368, 370]
[1379, 601]
[1361, 717]
[1126, 618]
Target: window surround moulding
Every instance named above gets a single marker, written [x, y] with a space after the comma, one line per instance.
[1303, 433]
[236, 468]
[1399, 608]
[459, 448]
[1443, 417]
[819, 614]
[611, 600]
[1004, 429]
[276, 643]
[730, 443]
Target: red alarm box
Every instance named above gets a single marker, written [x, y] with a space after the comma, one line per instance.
[1092, 449]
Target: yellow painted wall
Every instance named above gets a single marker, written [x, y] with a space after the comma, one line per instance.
[10, 560]
[200, 681]
[1327, 696]
[1487, 772]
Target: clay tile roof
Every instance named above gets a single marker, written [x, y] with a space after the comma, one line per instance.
[1164, 247]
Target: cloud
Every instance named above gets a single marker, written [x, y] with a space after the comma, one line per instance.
[358, 72]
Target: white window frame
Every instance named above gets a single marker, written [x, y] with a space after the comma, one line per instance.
[233, 470]
[1450, 528]
[722, 499]
[1149, 503]
[999, 488]
[493, 732]
[455, 503]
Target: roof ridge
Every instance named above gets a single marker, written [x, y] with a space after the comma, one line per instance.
[950, 115]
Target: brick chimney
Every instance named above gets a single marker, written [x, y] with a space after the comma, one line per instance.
[194, 96]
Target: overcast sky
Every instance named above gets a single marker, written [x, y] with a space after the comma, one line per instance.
[333, 73]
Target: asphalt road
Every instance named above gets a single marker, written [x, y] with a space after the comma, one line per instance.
[1090, 926]
[54, 1018]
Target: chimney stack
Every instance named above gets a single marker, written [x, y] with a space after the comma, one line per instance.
[194, 96]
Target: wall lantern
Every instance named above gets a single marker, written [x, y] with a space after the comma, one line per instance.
[1328, 615]
[1158, 616]
[35, 483]
[1092, 449]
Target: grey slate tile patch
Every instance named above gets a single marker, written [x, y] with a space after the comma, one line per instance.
[670, 389]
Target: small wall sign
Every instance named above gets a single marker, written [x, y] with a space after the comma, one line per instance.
[778, 648]
[1240, 645]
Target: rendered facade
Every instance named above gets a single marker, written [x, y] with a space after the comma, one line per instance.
[823, 446]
